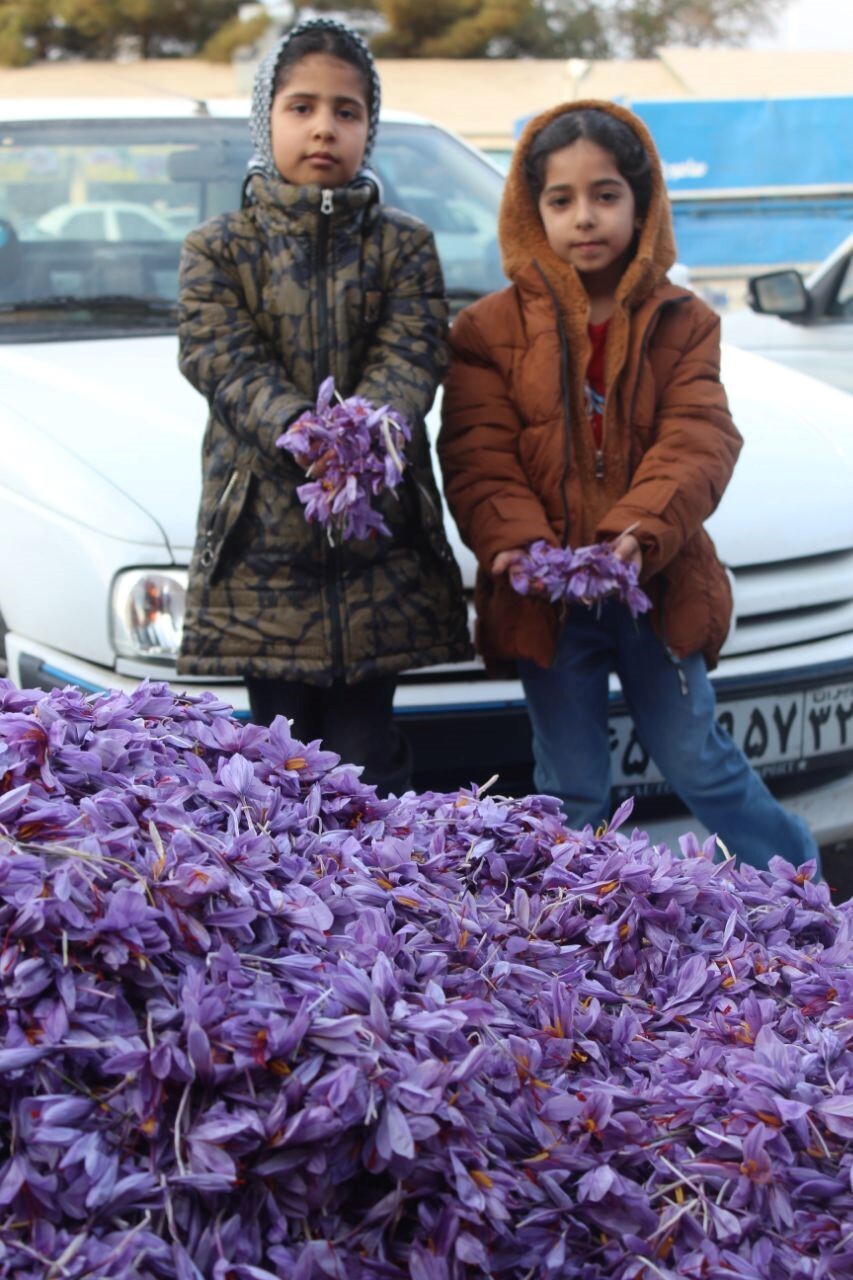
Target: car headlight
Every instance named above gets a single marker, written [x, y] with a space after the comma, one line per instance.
[147, 613]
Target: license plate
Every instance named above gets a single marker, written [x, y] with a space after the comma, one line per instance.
[778, 733]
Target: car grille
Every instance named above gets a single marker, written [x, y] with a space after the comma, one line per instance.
[792, 602]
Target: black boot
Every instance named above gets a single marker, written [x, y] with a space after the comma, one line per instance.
[394, 776]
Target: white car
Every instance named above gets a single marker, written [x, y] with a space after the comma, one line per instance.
[805, 324]
[100, 471]
[105, 220]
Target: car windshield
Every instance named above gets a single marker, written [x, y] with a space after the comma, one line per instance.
[93, 212]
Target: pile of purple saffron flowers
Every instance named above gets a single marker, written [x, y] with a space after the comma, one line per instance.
[352, 452]
[258, 1023]
[583, 576]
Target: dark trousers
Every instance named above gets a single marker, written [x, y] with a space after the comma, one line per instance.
[354, 720]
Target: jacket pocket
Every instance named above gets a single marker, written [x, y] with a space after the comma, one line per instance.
[223, 521]
[520, 520]
[372, 307]
[429, 515]
[697, 600]
[510, 626]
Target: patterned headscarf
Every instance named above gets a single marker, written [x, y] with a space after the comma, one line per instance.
[264, 89]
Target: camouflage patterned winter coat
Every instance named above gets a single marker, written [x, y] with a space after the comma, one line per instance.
[273, 298]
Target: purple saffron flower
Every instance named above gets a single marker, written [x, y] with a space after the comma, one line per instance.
[352, 451]
[586, 576]
[254, 1021]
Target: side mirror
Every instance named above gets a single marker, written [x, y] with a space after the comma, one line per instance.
[779, 293]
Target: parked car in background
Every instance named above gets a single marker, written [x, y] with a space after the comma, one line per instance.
[806, 324]
[99, 462]
[104, 220]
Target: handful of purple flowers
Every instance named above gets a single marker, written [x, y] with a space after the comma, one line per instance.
[583, 576]
[352, 452]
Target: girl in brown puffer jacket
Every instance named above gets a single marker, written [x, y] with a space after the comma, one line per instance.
[584, 404]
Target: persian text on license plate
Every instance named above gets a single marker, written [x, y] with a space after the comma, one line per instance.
[785, 730]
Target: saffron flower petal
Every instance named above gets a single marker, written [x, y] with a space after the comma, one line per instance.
[352, 452]
[586, 575]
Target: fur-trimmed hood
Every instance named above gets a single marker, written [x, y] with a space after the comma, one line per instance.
[522, 236]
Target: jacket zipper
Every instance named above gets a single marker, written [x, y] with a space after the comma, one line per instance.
[208, 553]
[566, 403]
[671, 657]
[567, 427]
[321, 266]
[321, 255]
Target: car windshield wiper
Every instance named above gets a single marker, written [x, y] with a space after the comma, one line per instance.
[129, 302]
[460, 294]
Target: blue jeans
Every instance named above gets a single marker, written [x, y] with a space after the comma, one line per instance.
[674, 712]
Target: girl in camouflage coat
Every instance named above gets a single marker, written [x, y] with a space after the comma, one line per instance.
[312, 277]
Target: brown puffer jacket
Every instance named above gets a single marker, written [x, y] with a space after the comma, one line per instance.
[517, 452]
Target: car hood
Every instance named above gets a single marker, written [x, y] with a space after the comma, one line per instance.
[122, 408]
[789, 497]
[823, 351]
[790, 493]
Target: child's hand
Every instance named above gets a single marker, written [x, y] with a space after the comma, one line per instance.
[504, 559]
[319, 466]
[627, 548]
